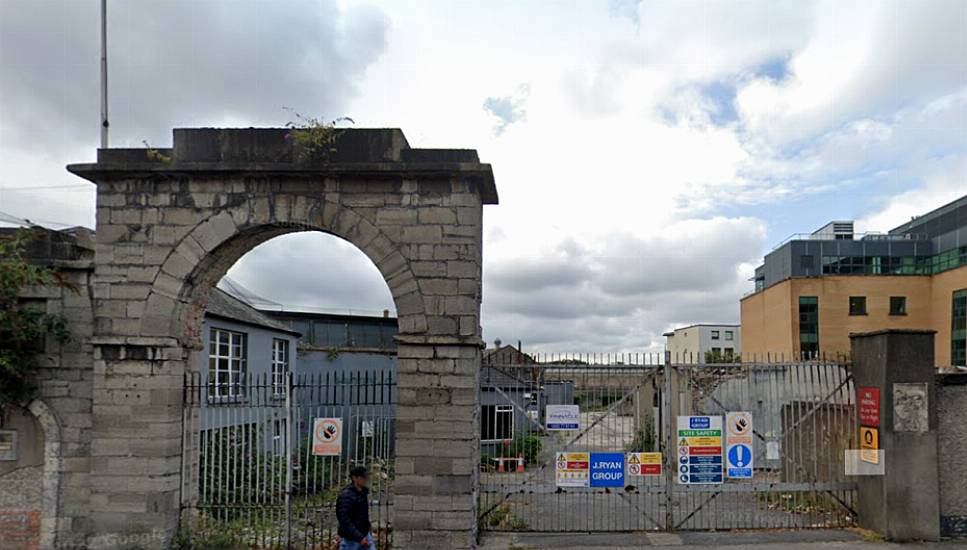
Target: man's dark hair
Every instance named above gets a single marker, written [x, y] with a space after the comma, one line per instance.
[358, 471]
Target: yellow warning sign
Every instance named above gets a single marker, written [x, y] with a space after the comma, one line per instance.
[650, 458]
[573, 469]
[704, 441]
[644, 464]
[869, 445]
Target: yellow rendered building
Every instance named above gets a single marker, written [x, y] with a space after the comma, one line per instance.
[812, 291]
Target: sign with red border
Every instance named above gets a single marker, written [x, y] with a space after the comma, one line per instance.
[644, 464]
[327, 437]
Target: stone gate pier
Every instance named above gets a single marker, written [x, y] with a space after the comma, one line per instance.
[171, 222]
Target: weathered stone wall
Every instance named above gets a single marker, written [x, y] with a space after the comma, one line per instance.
[66, 388]
[902, 504]
[61, 415]
[169, 230]
[951, 448]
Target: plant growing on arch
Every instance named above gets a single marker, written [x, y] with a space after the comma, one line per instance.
[313, 139]
[23, 328]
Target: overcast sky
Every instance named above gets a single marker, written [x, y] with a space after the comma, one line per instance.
[646, 153]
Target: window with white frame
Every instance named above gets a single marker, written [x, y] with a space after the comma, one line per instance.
[496, 422]
[729, 335]
[280, 366]
[278, 437]
[227, 362]
[715, 335]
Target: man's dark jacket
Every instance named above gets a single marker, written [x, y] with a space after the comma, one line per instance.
[352, 511]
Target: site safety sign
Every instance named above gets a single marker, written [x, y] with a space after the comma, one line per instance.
[573, 469]
[644, 464]
[738, 445]
[699, 450]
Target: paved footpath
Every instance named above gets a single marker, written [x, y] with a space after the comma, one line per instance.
[729, 540]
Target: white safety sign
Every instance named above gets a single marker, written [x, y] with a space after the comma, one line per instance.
[327, 437]
[562, 417]
[699, 450]
[738, 445]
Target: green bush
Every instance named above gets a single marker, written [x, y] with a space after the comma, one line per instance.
[644, 440]
[234, 470]
[486, 462]
[23, 330]
[530, 446]
[712, 357]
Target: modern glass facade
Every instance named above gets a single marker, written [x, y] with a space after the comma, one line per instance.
[958, 329]
[809, 325]
[895, 265]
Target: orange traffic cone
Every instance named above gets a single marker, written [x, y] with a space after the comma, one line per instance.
[500, 465]
[520, 463]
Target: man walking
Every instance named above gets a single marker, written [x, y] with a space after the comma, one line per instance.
[352, 511]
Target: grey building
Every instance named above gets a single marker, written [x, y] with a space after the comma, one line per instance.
[243, 369]
[338, 343]
[347, 369]
[512, 403]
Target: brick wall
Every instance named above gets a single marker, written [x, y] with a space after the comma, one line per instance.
[20, 529]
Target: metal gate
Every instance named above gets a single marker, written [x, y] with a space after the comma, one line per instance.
[803, 418]
[249, 476]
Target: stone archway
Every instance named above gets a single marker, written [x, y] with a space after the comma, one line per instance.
[28, 513]
[170, 224]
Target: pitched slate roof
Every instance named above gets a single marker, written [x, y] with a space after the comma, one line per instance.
[508, 355]
[224, 305]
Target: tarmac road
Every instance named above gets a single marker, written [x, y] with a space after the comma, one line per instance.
[755, 540]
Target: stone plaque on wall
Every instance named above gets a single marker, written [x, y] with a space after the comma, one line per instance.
[910, 407]
[8, 445]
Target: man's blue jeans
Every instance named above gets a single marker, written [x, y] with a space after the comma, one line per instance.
[349, 545]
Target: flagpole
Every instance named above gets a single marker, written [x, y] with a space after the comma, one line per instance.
[104, 119]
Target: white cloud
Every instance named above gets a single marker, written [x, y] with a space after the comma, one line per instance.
[944, 180]
[620, 291]
[172, 64]
[865, 59]
[323, 272]
[654, 130]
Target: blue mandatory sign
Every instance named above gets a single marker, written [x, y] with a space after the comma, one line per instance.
[740, 462]
[607, 469]
[706, 478]
[715, 459]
